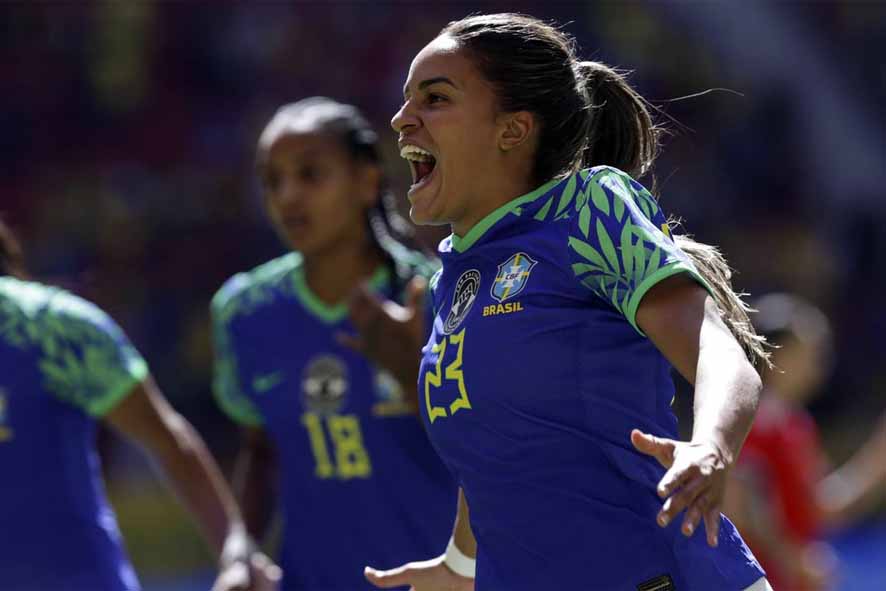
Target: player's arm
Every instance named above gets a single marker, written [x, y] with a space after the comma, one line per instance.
[857, 485]
[145, 417]
[749, 507]
[451, 571]
[254, 480]
[683, 322]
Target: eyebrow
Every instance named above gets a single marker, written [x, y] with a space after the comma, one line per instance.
[425, 83]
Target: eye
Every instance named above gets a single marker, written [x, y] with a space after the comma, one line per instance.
[309, 173]
[435, 98]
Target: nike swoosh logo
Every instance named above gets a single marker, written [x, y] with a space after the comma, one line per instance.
[265, 382]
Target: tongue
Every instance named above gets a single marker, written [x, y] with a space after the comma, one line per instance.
[423, 169]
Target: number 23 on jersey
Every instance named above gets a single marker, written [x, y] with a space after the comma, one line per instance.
[452, 372]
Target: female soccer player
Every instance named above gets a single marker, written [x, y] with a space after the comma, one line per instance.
[353, 459]
[781, 494]
[562, 304]
[64, 366]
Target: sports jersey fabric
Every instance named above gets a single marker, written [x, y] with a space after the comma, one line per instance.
[360, 483]
[533, 377]
[63, 364]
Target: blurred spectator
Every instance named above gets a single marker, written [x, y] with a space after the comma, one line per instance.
[783, 495]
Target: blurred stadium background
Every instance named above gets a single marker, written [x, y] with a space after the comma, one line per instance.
[126, 153]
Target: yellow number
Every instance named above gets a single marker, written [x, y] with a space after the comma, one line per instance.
[351, 458]
[435, 379]
[312, 423]
[453, 372]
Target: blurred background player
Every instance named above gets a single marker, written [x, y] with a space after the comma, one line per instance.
[783, 495]
[65, 366]
[344, 438]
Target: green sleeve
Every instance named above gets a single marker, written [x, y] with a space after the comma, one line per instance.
[227, 386]
[620, 245]
[86, 359]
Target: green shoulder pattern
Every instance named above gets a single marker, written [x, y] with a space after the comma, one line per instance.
[620, 244]
[84, 357]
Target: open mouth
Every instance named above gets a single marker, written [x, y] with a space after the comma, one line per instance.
[421, 162]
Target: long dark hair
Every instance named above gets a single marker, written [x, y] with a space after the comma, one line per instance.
[389, 232]
[11, 258]
[588, 115]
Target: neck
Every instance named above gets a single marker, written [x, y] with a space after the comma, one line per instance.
[333, 276]
[508, 187]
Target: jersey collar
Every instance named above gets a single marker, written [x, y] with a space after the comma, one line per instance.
[460, 244]
[331, 314]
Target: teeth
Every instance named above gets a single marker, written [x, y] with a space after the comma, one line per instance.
[416, 154]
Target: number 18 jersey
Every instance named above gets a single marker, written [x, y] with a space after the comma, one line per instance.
[360, 482]
[533, 377]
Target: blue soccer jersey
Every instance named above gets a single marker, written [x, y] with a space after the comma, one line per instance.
[63, 364]
[360, 482]
[532, 379]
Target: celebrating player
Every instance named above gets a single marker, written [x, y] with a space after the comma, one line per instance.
[782, 494]
[353, 459]
[561, 307]
[64, 366]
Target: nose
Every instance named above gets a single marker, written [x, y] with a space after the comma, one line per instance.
[287, 192]
[405, 119]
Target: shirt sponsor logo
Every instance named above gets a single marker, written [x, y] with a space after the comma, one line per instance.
[325, 385]
[466, 289]
[513, 274]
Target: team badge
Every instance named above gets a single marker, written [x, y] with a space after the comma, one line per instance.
[466, 289]
[513, 274]
[324, 385]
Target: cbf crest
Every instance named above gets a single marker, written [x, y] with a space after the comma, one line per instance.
[513, 274]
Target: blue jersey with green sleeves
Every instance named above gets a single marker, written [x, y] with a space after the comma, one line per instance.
[63, 364]
[360, 483]
[532, 379]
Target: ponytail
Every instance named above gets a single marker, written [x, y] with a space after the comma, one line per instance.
[712, 266]
[622, 134]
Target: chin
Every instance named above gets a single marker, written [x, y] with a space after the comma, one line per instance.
[424, 218]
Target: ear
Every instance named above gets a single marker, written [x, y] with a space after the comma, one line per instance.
[369, 177]
[515, 129]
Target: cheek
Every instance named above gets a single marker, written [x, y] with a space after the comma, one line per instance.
[339, 209]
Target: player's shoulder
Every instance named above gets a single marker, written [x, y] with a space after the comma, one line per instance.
[604, 189]
[249, 290]
[608, 189]
[31, 298]
[35, 313]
